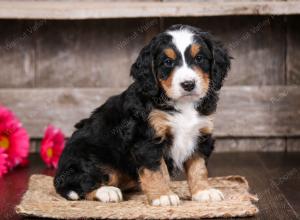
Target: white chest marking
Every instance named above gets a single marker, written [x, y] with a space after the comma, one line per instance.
[185, 127]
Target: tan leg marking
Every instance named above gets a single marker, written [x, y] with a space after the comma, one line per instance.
[196, 174]
[155, 184]
[159, 122]
[197, 177]
[118, 179]
[165, 172]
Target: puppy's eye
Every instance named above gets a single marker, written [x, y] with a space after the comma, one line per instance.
[169, 63]
[199, 59]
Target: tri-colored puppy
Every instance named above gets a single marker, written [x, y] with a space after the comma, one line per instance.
[162, 123]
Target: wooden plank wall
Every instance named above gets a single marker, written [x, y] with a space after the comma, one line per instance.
[57, 71]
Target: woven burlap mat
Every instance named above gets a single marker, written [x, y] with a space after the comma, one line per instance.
[41, 200]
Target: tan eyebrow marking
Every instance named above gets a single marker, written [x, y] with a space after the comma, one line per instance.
[170, 53]
[195, 48]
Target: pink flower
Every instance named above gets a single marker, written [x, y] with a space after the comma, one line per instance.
[52, 146]
[14, 140]
[3, 162]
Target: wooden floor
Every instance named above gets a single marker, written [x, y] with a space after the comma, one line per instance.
[275, 177]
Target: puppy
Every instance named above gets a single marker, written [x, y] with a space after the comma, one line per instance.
[161, 123]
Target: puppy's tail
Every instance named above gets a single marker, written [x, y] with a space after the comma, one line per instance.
[65, 185]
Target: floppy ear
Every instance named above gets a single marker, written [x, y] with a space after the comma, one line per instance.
[220, 61]
[143, 73]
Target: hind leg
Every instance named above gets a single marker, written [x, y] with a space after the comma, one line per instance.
[111, 190]
[92, 183]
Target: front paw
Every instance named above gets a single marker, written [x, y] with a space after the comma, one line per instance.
[166, 200]
[208, 195]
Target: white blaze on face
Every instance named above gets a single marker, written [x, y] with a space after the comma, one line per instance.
[182, 39]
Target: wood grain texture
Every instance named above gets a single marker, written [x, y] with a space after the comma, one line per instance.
[285, 172]
[256, 43]
[272, 202]
[97, 9]
[16, 54]
[293, 50]
[293, 144]
[258, 111]
[233, 144]
[96, 53]
[244, 111]
[250, 144]
[90, 53]
[61, 107]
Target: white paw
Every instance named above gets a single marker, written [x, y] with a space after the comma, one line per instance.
[166, 200]
[109, 194]
[73, 195]
[209, 195]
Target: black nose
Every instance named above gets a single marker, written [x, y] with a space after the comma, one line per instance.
[188, 85]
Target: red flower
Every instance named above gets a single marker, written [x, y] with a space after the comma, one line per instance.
[52, 146]
[14, 140]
